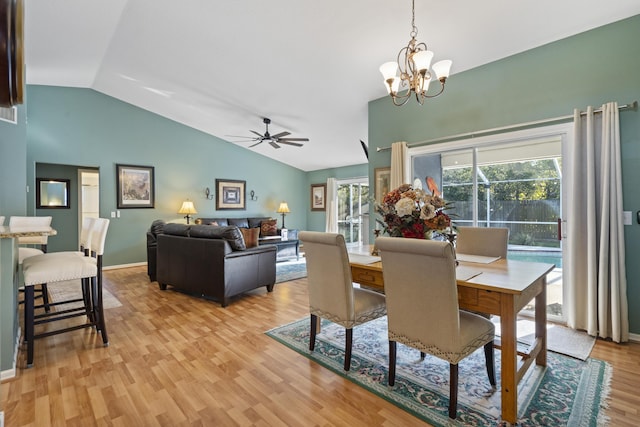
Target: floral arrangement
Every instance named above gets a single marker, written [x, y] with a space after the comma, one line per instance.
[414, 213]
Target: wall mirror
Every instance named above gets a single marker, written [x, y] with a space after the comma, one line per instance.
[52, 193]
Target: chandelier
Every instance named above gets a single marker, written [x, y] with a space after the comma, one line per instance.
[413, 63]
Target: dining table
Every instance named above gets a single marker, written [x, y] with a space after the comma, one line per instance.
[497, 286]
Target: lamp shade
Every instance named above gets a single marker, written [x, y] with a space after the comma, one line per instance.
[187, 208]
[283, 208]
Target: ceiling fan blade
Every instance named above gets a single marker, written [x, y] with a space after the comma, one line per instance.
[280, 135]
[259, 142]
[273, 144]
[290, 143]
[294, 139]
[259, 134]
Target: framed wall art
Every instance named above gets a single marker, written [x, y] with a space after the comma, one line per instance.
[318, 197]
[230, 194]
[135, 186]
[381, 183]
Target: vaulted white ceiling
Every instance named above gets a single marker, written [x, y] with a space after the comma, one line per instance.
[220, 66]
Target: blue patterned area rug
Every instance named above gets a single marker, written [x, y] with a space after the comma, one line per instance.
[291, 270]
[568, 392]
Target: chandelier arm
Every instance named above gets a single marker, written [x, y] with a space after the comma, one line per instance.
[441, 90]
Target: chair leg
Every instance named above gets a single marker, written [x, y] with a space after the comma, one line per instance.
[392, 362]
[99, 308]
[453, 391]
[29, 322]
[45, 297]
[312, 332]
[489, 361]
[347, 349]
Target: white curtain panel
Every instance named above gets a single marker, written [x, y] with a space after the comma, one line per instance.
[594, 271]
[398, 156]
[331, 216]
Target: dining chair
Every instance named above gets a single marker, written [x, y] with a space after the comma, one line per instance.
[1, 220]
[66, 267]
[484, 241]
[422, 308]
[26, 245]
[332, 295]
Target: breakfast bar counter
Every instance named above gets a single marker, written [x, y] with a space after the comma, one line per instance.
[9, 275]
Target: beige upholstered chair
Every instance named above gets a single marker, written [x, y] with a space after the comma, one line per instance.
[29, 250]
[422, 307]
[67, 267]
[1, 220]
[332, 295]
[483, 241]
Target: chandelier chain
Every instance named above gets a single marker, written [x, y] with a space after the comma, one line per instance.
[414, 31]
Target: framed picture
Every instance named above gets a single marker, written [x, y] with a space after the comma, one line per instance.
[230, 194]
[381, 183]
[135, 186]
[318, 197]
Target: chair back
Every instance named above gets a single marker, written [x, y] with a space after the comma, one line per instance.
[99, 235]
[328, 275]
[421, 291]
[492, 241]
[1, 220]
[31, 221]
[86, 234]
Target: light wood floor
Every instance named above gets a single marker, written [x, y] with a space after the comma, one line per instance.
[175, 360]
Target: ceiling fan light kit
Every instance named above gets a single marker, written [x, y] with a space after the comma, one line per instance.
[274, 140]
[413, 63]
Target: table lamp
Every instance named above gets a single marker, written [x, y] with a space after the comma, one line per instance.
[283, 209]
[187, 208]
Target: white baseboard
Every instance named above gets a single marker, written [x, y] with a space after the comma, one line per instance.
[1, 419]
[634, 337]
[11, 373]
[116, 267]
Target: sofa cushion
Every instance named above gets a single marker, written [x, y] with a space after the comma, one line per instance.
[250, 236]
[176, 229]
[269, 227]
[231, 234]
[222, 222]
[239, 222]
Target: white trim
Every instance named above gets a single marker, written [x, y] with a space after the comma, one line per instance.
[119, 266]
[11, 373]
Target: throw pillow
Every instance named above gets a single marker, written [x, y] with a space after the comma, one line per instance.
[250, 236]
[269, 227]
[213, 223]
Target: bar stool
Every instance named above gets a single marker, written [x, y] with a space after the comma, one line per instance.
[60, 267]
[29, 251]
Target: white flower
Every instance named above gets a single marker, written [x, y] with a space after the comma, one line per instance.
[405, 206]
[427, 211]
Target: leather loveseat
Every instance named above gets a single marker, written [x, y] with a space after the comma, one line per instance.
[212, 261]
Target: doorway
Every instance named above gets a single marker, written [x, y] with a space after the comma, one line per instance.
[88, 195]
[511, 180]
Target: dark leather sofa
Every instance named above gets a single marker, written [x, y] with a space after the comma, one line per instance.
[211, 261]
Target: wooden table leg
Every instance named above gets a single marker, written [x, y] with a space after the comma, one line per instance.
[541, 323]
[509, 365]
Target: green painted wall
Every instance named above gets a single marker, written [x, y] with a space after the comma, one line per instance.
[84, 128]
[316, 220]
[592, 68]
[13, 174]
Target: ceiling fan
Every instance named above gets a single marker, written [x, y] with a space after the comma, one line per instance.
[273, 140]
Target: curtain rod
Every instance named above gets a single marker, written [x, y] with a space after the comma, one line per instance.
[630, 106]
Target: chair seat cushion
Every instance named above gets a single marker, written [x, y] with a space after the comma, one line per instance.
[47, 269]
[24, 253]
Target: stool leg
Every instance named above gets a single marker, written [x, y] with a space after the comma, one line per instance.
[45, 297]
[28, 324]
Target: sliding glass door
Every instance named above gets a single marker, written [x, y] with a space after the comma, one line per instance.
[511, 180]
[353, 211]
